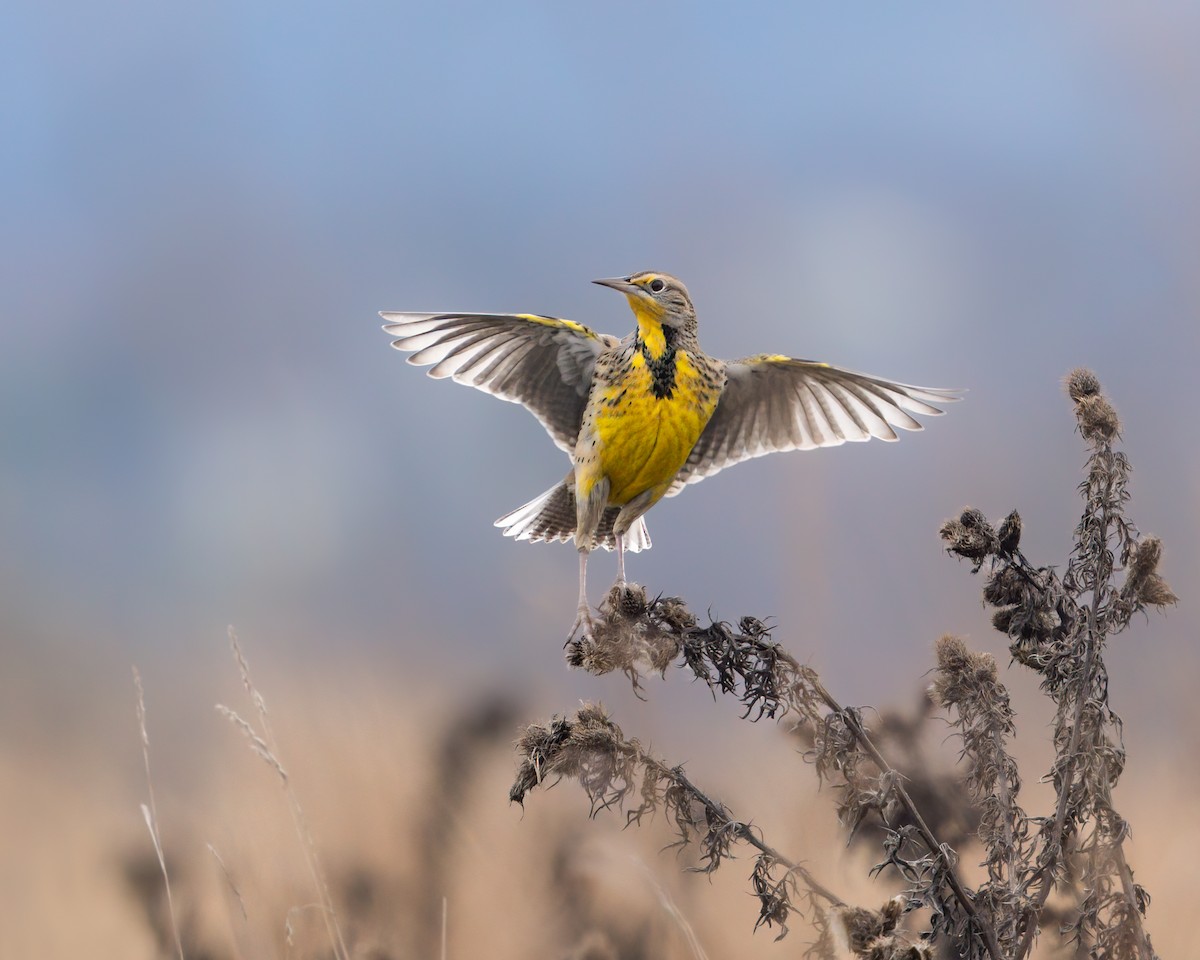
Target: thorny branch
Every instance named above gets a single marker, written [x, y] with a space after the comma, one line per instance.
[771, 683]
[615, 772]
[591, 748]
[1057, 626]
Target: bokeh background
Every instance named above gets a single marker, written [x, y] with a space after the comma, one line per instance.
[203, 425]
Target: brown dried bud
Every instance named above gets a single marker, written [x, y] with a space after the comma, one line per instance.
[674, 614]
[898, 948]
[860, 926]
[970, 536]
[1143, 579]
[1144, 558]
[868, 933]
[961, 674]
[1156, 593]
[574, 653]
[1010, 534]
[631, 601]
[1044, 621]
[1003, 618]
[972, 518]
[1005, 586]
[1032, 656]
[1081, 383]
[1098, 421]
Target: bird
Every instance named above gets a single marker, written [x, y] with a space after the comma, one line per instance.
[644, 416]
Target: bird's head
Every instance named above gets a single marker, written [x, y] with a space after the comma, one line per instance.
[657, 296]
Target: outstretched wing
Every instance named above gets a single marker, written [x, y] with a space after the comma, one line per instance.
[542, 363]
[774, 403]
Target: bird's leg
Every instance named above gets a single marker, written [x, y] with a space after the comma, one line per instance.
[620, 560]
[583, 615]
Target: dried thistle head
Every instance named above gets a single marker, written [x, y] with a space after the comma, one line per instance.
[1143, 582]
[629, 633]
[1098, 420]
[672, 613]
[631, 600]
[961, 674]
[1005, 586]
[970, 536]
[1080, 383]
[872, 934]
[1010, 534]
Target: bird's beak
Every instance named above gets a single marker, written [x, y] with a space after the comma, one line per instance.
[621, 284]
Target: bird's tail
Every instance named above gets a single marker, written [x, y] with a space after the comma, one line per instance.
[551, 517]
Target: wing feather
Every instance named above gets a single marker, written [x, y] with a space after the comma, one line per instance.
[773, 403]
[544, 363]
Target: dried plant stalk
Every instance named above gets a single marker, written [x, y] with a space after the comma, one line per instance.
[618, 773]
[746, 663]
[262, 742]
[1057, 626]
[150, 811]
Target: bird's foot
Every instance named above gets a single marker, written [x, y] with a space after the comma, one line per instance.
[583, 627]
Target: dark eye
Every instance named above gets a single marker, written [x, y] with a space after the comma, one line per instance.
[656, 285]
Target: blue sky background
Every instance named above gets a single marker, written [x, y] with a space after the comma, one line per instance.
[204, 207]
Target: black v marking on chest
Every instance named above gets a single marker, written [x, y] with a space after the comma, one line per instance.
[662, 368]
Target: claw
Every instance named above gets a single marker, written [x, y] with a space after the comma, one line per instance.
[583, 616]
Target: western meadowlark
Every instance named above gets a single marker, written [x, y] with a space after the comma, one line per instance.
[643, 417]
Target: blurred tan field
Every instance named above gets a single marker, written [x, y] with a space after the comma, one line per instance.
[406, 796]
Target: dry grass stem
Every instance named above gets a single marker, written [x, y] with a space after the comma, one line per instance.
[671, 909]
[150, 812]
[264, 745]
[237, 894]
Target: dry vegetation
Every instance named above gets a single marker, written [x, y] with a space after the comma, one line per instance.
[1058, 627]
[357, 826]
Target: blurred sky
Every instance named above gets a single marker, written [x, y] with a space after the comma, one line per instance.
[204, 206]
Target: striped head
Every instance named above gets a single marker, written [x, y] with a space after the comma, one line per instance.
[656, 296]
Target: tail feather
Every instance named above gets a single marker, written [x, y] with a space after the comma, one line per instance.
[550, 517]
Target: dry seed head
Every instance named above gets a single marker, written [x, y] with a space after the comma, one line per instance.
[574, 654]
[1155, 593]
[1146, 555]
[1080, 383]
[1005, 586]
[970, 536]
[631, 600]
[1044, 622]
[1010, 534]
[1003, 618]
[865, 932]
[898, 948]
[674, 614]
[952, 652]
[1098, 421]
[859, 926]
[961, 673]
[1143, 579]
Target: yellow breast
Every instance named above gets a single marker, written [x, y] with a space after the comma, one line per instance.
[645, 434]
